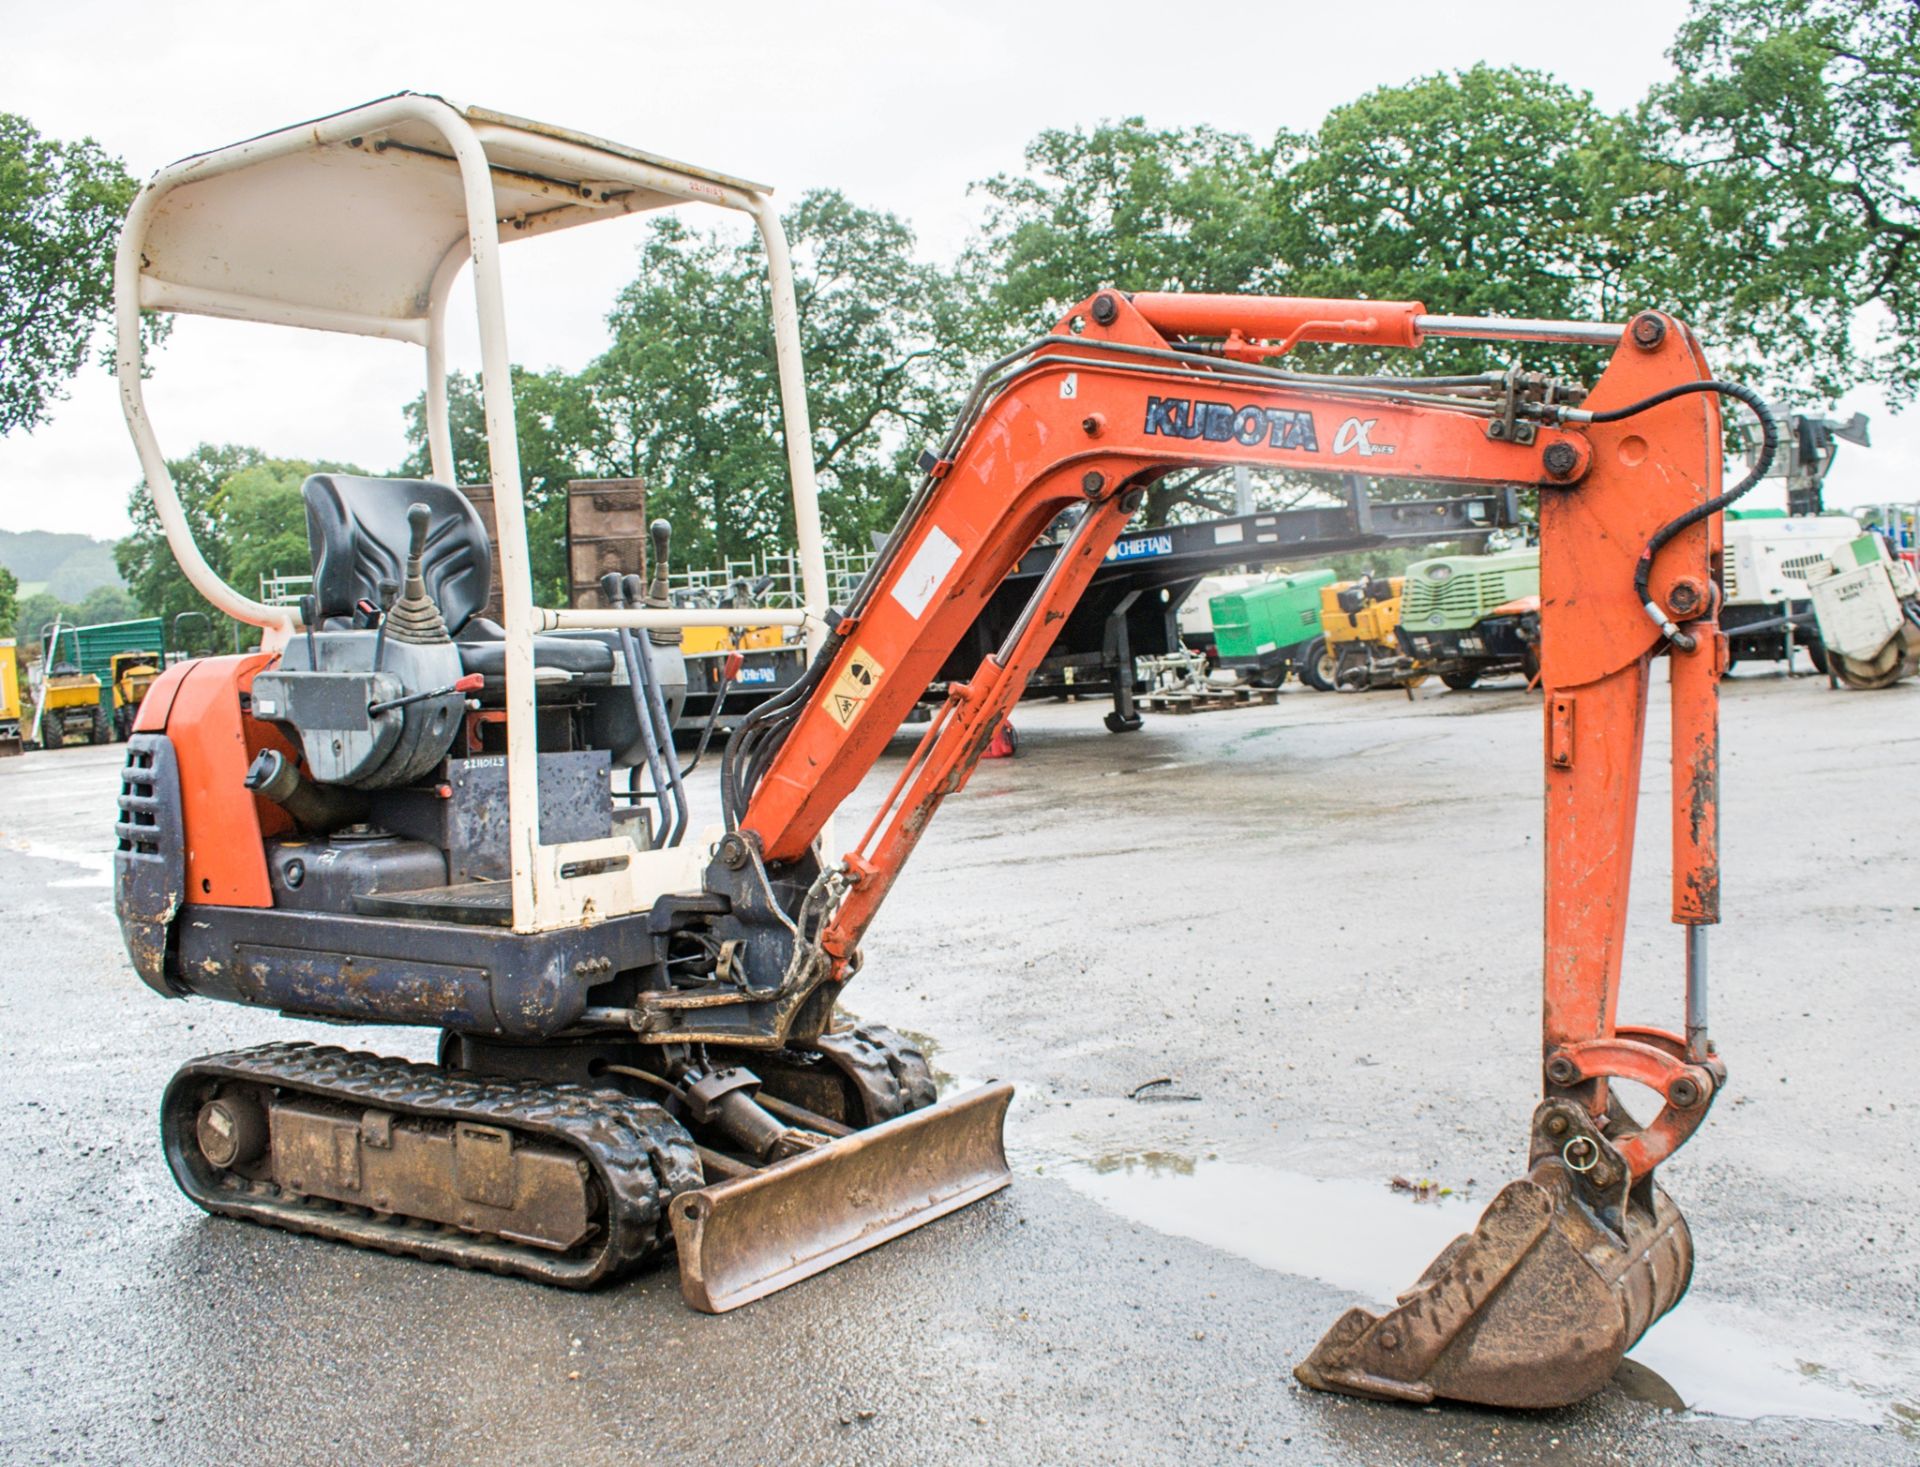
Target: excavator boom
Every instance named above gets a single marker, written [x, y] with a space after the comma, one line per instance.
[1572, 1263]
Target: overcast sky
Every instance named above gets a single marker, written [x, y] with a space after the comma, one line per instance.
[900, 105]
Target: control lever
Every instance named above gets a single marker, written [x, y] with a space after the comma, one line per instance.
[729, 670]
[389, 591]
[309, 609]
[661, 533]
[614, 589]
[471, 683]
[656, 702]
[413, 617]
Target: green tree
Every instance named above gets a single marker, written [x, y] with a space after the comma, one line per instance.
[553, 423]
[60, 211]
[246, 515]
[9, 597]
[102, 604]
[146, 563]
[1126, 205]
[1488, 191]
[263, 523]
[33, 614]
[687, 397]
[1795, 125]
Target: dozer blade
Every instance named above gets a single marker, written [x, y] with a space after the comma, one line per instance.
[1535, 1307]
[745, 1238]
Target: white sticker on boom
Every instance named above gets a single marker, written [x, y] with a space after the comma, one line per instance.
[926, 571]
[1070, 385]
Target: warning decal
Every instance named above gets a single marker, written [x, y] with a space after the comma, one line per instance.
[853, 687]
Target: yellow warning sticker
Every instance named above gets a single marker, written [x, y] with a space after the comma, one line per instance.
[853, 687]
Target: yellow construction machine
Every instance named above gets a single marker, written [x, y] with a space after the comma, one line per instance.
[11, 705]
[70, 709]
[132, 673]
[1359, 648]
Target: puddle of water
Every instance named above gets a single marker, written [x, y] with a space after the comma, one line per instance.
[1725, 1363]
[1359, 1236]
[1370, 1240]
[97, 866]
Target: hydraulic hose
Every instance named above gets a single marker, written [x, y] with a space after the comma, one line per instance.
[1769, 446]
[660, 724]
[611, 587]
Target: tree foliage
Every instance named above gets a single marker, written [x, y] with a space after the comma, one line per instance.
[245, 512]
[1482, 192]
[32, 614]
[1769, 194]
[1795, 125]
[60, 211]
[688, 399]
[552, 427]
[1121, 204]
[9, 598]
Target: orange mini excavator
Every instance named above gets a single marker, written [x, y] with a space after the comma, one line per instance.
[399, 811]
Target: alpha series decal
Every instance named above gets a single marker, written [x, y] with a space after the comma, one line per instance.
[1356, 436]
[1222, 422]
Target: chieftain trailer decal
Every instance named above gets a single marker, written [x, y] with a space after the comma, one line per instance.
[1222, 422]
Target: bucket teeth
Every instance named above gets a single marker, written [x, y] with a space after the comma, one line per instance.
[745, 1238]
[1535, 1307]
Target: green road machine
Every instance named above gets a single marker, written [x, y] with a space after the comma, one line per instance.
[1466, 617]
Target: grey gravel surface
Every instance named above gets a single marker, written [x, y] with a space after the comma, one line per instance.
[1316, 922]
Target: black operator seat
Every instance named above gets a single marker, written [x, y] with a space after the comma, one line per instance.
[357, 532]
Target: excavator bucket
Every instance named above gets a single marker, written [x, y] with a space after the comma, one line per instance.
[1535, 1307]
[750, 1236]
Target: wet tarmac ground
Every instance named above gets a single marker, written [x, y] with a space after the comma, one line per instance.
[1315, 925]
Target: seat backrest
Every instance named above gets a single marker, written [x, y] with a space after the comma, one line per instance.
[357, 532]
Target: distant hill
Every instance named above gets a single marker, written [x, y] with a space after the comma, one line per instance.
[68, 565]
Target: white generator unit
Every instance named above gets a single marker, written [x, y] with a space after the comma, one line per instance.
[1766, 610]
[1867, 604]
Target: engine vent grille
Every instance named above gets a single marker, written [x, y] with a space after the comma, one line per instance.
[138, 829]
[1466, 595]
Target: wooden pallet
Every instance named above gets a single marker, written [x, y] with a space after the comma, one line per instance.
[1210, 701]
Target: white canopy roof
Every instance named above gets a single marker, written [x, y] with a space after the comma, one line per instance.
[346, 222]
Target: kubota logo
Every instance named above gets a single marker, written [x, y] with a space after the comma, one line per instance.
[1356, 436]
[1222, 422]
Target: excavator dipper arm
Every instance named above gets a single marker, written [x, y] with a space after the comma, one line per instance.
[1572, 1263]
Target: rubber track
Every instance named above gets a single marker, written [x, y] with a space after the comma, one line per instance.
[641, 1157]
